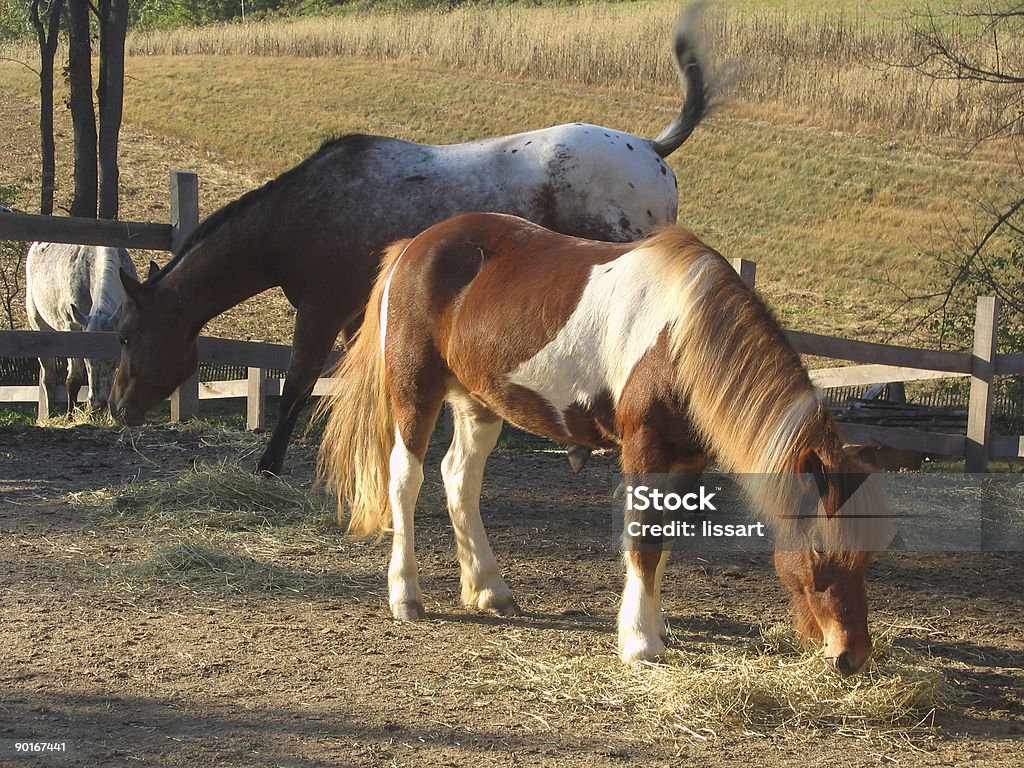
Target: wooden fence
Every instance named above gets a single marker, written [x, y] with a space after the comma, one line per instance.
[878, 363]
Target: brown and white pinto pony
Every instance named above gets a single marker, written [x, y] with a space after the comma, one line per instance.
[656, 348]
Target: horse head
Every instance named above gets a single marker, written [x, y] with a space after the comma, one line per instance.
[823, 560]
[100, 372]
[158, 350]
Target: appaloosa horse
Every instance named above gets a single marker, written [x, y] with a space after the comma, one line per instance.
[318, 229]
[76, 288]
[656, 348]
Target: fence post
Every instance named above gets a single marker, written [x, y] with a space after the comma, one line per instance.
[184, 218]
[746, 269]
[184, 206]
[983, 364]
[256, 399]
[185, 399]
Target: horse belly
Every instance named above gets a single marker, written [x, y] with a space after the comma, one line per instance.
[580, 424]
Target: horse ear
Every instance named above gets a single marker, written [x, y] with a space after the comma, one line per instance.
[131, 286]
[154, 270]
[865, 454]
[809, 463]
[80, 318]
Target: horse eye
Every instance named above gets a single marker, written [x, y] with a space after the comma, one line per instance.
[123, 340]
[817, 549]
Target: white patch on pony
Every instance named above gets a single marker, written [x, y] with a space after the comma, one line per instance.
[640, 624]
[406, 473]
[625, 306]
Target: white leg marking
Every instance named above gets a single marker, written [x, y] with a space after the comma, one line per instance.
[403, 579]
[463, 471]
[640, 624]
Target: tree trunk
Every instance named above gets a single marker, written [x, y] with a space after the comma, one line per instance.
[83, 116]
[113, 28]
[46, 34]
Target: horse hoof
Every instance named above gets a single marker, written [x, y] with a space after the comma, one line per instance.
[266, 467]
[508, 608]
[410, 611]
[637, 650]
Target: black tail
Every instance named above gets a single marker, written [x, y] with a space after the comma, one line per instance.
[696, 92]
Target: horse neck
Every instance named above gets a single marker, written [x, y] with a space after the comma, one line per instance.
[216, 273]
[750, 397]
[106, 288]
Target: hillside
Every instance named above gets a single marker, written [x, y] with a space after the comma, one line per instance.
[842, 212]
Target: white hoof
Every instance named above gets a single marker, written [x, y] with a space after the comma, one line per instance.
[634, 649]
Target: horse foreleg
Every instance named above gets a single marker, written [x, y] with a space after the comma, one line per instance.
[312, 341]
[76, 375]
[476, 433]
[684, 475]
[640, 624]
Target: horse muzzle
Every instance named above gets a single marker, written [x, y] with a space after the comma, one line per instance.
[121, 414]
[850, 657]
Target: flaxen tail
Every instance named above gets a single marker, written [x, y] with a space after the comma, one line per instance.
[360, 433]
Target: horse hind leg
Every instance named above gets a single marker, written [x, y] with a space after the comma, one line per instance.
[406, 471]
[48, 387]
[414, 422]
[475, 435]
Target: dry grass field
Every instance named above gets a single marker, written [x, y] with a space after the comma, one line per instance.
[841, 177]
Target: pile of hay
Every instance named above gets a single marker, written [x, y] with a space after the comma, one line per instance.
[223, 496]
[199, 565]
[768, 685]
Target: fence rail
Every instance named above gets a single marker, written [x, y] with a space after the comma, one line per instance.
[878, 363]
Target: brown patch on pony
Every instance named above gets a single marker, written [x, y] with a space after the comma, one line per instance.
[593, 424]
[523, 263]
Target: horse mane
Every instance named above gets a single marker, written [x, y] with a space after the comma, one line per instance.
[111, 293]
[752, 402]
[734, 365]
[352, 144]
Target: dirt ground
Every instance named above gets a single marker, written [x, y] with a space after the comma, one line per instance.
[132, 671]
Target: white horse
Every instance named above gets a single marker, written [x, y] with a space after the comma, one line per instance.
[75, 288]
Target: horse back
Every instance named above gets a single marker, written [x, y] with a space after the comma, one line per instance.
[484, 293]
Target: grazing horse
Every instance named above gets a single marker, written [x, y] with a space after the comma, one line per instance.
[318, 230]
[76, 288]
[656, 348]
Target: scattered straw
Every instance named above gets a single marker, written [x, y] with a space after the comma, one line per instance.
[223, 496]
[770, 684]
[207, 565]
[83, 416]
